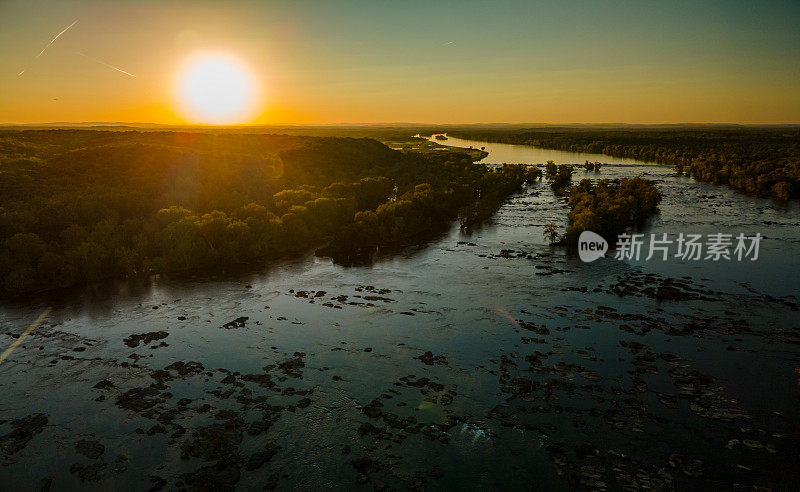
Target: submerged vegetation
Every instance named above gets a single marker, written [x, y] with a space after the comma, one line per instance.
[82, 206]
[762, 161]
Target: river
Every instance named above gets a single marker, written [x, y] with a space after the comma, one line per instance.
[488, 359]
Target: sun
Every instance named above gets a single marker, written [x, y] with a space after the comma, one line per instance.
[216, 88]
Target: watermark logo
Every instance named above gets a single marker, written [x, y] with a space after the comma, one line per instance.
[591, 246]
[687, 247]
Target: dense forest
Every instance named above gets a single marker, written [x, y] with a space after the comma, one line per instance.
[609, 207]
[80, 205]
[762, 161]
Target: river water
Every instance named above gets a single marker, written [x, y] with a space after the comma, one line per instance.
[474, 361]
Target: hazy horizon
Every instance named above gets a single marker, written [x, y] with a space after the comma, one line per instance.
[448, 63]
[91, 124]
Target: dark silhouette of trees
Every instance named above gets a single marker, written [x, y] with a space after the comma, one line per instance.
[561, 180]
[551, 232]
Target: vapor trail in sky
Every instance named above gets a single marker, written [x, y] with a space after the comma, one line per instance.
[57, 36]
[50, 43]
[106, 64]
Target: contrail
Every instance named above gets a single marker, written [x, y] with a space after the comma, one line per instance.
[50, 43]
[57, 36]
[106, 64]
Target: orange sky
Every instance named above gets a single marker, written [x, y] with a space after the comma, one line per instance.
[340, 62]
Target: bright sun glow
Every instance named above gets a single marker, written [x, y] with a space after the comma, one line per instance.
[216, 88]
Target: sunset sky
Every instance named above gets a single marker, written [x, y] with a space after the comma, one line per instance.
[426, 62]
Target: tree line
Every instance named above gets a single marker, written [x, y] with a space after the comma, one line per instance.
[79, 206]
[760, 161]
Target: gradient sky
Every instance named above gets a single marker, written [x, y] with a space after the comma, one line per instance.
[429, 62]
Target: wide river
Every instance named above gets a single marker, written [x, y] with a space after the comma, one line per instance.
[488, 360]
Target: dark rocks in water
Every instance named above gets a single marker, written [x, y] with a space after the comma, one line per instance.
[365, 464]
[373, 410]
[185, 368]
[262, 380]
[705, 398]
[161, 376]
[260, 457]
[104, 384]
[378, 298]
[138, 399]
[429, 359]
[90, 449]
[522, 386]
[539, 330]
[367, 428]
[239, 322]
[656, 287]
[270, 416]
[218, 441]
[158, 483]
[690, 467]
[397, 422]
[219, 477]
[419, 383]
[672, 293]
[156, 429]
[291, 367]
[89, 473]
[791, 336]
[135, 339]
[22, 432]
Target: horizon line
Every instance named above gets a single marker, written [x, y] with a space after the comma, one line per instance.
[395, 123]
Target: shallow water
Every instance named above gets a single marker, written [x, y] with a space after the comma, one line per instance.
[542, 369]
